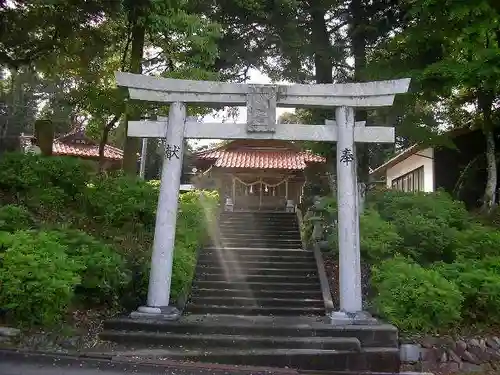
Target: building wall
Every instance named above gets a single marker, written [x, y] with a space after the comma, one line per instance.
[423, 158]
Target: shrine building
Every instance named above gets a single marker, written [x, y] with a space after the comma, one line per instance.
[77, 144]
[263, 175]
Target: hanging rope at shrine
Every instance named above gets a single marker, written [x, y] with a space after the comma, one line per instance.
[260, 181]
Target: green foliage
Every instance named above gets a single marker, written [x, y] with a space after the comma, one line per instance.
[379, 239]
[414, 298]
[122, 200]
[102, 244]
[433, 263]
[104, 272]
[14, 218]
[427, 223]
[477, 242]
[53, 182]
[195, 214]
[425, 240]
[479, 282]
[37, 278]
[438, 206]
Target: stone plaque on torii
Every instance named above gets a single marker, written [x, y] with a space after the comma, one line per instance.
[261, 102]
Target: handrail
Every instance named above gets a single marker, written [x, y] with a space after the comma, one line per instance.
[323, 279]
[318, 256]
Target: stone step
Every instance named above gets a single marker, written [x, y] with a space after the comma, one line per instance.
[256, 251]
[311, 293]
[260, 244]
[256, 278]
[258, 228]
[232, 341]
[257, 223]
[260, 223]
[377, 335]
[253, 229]
[239, 270]
[229, 257]
[308, 265]
[255, 310]
[259, 218]
[250, 286]
[257, 213]
[380, 360]
[266, 239]
[263, 235]
[255, 302]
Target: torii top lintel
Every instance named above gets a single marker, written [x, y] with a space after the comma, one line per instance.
[167, 90]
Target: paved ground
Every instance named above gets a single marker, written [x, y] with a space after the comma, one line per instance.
[12, 363]
[16, 368]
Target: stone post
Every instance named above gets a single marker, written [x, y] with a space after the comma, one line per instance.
[166, 218]
[44, 134]
[348, 216]
[144, 154]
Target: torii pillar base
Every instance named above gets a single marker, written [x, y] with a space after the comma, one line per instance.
[156, 313]
[340, 318]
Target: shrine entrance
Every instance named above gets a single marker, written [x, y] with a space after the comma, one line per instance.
[259, 175]
[262, 194]
[261, 102]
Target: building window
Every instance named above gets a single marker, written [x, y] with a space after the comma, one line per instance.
[413, 181]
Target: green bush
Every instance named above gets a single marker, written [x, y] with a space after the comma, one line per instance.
[425, 240]
[122, 200]
[378, 239]
[14, 218]
[111, 265]
[195, 212]
[479, 282]
[37, 278]
[438, 206]
[27, 174]
[414, 298]
[477, 242]
[104, 272]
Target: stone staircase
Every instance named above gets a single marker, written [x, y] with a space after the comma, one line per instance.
[256, 301]
[257, 266]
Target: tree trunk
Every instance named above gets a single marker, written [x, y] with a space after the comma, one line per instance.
[131, 148]
[358, 42]
[104, 140]
[485, 104]
[323, 65]
[489, 200]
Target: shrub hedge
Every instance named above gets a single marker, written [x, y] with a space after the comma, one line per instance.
[70, 238]
[414, 298]
[433, 264]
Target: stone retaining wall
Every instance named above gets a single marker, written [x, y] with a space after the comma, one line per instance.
[449, 355]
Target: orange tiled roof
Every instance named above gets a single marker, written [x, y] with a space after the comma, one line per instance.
[259, 159]
[85, 150]
[75, 143]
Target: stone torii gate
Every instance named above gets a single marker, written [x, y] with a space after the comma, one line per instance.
[261, 102]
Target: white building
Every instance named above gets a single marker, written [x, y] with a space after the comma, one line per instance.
[410, 170]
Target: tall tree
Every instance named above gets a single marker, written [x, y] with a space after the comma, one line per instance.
[452, 49]
[47, 26]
